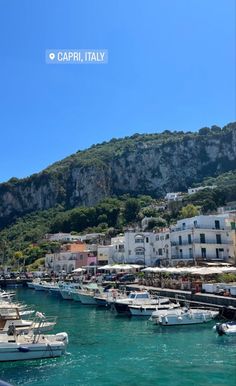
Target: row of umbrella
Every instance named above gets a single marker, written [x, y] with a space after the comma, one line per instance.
[173, 270]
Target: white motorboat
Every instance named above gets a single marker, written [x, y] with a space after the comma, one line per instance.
[26, 347]
[68, 289]
[121, 305]
[31, 284]
[227, 328]
[41, 286]
[6, 296]
[86, 295]
[75, 295]
[146, 310]
[183, 315]
[105, 298]
[10, 316]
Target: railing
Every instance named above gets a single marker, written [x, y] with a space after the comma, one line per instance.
[211, 242]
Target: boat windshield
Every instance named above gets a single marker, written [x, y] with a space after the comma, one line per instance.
[139, 296]
[142, 296]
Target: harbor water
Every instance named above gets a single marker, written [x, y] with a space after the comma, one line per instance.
[107, 350]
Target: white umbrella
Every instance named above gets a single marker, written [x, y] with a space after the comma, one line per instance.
[79, 270]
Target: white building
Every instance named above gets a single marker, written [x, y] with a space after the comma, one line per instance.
[195, 190]
[229, 208]
[62, 261]
[62, 237]
[174, 196]
[118, 250]
[147, 248]
[202, 238]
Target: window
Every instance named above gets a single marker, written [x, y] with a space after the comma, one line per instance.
[190, 253]
[183, 225]
[195, 224]
[219, 253]
[218, 239]
[160, 252]
[189, 239]
[147, 240]
[181, 253]
[139, 239]
[202, 238]
[180, 240]
[217, 224]
[203, 250]
[139, 252]
[157, 238]
[167, 237]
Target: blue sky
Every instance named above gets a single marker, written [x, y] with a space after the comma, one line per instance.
[171, 66]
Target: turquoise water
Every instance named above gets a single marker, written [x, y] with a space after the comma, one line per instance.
[116, 351]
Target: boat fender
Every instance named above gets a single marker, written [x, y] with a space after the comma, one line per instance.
[180, 318]
[166, 320]
[23, 349]
[204, 317]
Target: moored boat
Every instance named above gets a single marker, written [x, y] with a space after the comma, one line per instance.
[10, 317]
[87, 295]
[26, 347]
[145, 310]
[183, 315]
[122, 305]
[227, 328]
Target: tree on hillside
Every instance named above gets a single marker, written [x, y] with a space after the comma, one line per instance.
[131, 210]
[209, 206]
[157, 222]
[189, 210]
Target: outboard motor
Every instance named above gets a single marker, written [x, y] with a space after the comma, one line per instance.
[219, 329]
[62, 337]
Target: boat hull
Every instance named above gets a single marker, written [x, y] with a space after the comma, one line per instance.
[27, 352]
[183, 318]
[66, 295]
[23, 347]
[87, 299]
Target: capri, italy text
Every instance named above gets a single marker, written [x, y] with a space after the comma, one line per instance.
[57, 56]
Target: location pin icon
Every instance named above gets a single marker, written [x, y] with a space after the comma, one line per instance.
[52, 55]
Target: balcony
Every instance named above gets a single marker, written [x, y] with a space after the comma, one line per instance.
[207, 242]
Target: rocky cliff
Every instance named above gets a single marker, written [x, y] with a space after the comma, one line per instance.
[142, 164]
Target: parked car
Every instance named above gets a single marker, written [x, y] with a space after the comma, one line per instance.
[129, 277]
[110, 277]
